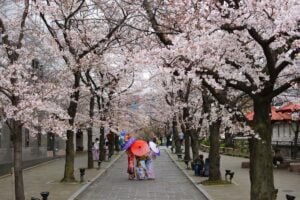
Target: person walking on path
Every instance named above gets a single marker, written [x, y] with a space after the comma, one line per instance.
[130, 168]
[140, 171]
[149, 165]
[181, 137]
[95, 149]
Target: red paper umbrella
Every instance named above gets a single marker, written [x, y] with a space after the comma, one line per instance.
[139, 148]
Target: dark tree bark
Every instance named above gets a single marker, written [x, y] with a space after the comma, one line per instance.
[228, 138]
[90, 134]
[214, 151]
[214, 137]
[187, 146]
[175, 136]
[261, 168]
[111, 143]
[16, 128]
[70, 153]
[90, 146]
[195, 143]
[69, 164]
[102, 145]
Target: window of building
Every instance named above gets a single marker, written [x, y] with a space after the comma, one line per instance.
[287, 130]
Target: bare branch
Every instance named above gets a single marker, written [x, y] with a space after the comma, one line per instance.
[108, 36]
[162, 37]
[24, 17]
[52, 32]
[73, 13]
[283, 88]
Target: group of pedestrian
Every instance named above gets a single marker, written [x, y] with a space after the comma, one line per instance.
[144, 168]
[201, 167]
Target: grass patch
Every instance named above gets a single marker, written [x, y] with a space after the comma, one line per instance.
[219, 182]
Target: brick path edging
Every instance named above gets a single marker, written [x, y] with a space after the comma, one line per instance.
[208, 197]
[80, 190]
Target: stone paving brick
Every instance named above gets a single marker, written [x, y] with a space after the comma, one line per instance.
[170, 184]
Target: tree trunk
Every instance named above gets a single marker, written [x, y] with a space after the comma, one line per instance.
[102, 145]
[90, 146]
[18, 170]
[175, 136]
[214, 151]
[70, 154]
[295, 146]
[187, 145]
[90, 134]
[261, 169]
[72, 109]
[214, 140]
[111, 144]
[195, 143]
[228, 138]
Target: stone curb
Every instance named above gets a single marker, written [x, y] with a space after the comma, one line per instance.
[80, 190]
[207, 196]
[34, 166]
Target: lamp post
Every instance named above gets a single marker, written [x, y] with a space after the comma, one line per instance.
[45, 195]
[99, 164]
[82, 173]
[290, 197]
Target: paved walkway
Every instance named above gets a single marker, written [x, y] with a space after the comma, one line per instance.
[47, 176]
[170, 183]
[287, 182]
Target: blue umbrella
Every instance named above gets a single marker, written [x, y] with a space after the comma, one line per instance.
[128, 143]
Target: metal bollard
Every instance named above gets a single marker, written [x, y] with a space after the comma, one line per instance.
[290, 197]
[82, 173]
[45, 195]
[99, 164]
[187, 163]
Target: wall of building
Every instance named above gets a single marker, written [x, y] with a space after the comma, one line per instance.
[34, 147]
[283, 131]
[283, 138]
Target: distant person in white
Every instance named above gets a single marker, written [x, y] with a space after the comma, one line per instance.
[96, 149]
[181, 137]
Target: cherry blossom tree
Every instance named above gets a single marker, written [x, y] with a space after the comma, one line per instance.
[27, 99]
[250, 48]
[73, 26]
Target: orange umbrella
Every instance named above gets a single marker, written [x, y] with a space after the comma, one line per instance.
[140, 148]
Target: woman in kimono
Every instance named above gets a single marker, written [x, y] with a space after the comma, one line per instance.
[130, 169]
[149, 165]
